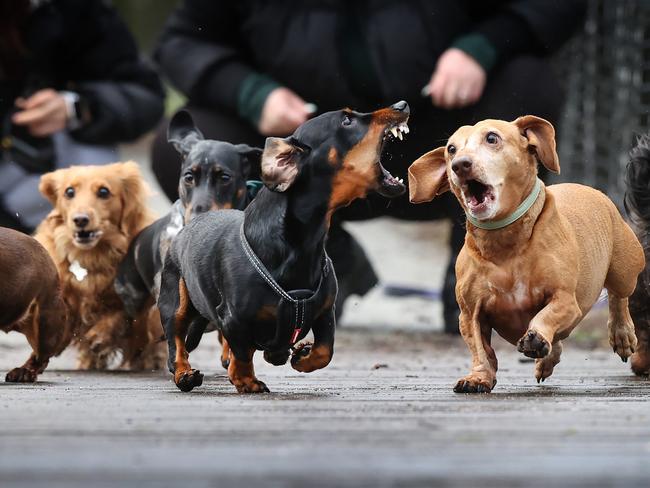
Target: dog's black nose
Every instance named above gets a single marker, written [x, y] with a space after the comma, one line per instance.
[81, 220]
[461, 166]
[400, 106]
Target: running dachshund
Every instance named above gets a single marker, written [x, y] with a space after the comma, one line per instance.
[213, 177]
[535, 258]
[262, 275]
[31, 302]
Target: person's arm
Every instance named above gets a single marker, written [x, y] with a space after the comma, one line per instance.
[536, 27]
[121, 97]
[201, 52]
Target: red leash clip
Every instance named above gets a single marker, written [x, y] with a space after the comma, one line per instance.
[294, 336]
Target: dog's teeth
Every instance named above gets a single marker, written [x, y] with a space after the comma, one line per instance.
[399, 134]
[394, 131]
[405, 128]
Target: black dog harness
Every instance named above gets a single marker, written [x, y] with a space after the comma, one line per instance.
[297, 308]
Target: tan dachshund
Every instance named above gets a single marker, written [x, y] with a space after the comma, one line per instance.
[535, 258]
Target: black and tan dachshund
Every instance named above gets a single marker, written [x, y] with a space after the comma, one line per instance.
[213, 177]
[262, 275]
[637, 204]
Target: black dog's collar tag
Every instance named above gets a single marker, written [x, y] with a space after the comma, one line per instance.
[296, 307]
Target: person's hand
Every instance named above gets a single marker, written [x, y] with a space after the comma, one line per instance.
[458, 80]
[282, 113]
[44, 113]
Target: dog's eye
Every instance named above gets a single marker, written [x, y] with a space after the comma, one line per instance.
[346, 120]
[451, 149]
[491, 138]
[69, 192]
[224, 177]
[188, 177]
[103, 192]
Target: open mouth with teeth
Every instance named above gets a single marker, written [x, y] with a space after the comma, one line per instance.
[87, 237]
[388, 185]
[478, 196]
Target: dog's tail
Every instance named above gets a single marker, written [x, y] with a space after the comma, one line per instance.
[637, 180]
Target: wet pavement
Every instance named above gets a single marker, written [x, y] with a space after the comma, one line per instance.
[383, 414]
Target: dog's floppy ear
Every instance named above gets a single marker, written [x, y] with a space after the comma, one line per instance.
[428, 176]
[182, 133]
[49, 186]
[134, 193]
[250, 156]
[280, 162]
[541, 138]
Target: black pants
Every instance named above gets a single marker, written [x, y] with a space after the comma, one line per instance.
[526, 85]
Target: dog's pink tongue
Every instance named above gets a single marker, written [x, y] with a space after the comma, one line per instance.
[473, 200]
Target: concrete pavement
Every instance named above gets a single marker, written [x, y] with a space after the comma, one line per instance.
[381, 415]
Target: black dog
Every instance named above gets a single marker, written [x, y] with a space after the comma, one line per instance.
[637, 204]
[234, 268]
[213, 177]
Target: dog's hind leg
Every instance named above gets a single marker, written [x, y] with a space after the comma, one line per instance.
[620, 327]
[175, 314]
[626, 263]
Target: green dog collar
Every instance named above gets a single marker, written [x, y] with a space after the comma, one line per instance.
[514, 216]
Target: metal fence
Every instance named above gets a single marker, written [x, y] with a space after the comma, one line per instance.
[607, 74]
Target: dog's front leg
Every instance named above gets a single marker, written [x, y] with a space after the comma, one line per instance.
[483, 376]
[551, 324]
[242, 373]
[174, 305]
[97, 345]
[310, 357]
[225, 351]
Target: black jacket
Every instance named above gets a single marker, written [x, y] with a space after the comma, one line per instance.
[83, 46]
[209, 47]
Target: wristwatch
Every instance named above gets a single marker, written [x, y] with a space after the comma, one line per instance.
[76, 109]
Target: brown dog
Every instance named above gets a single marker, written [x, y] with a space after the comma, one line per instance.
[97, 212]
[30, 302]
[535, 258]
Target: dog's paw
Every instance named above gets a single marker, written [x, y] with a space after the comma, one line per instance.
[623, 340]
[474, 384]
[307, 358]
[253, 386]
[96, 341]
[188, 380]
[543, 369]
[533, 345]
[21, 375]
[641, 363]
